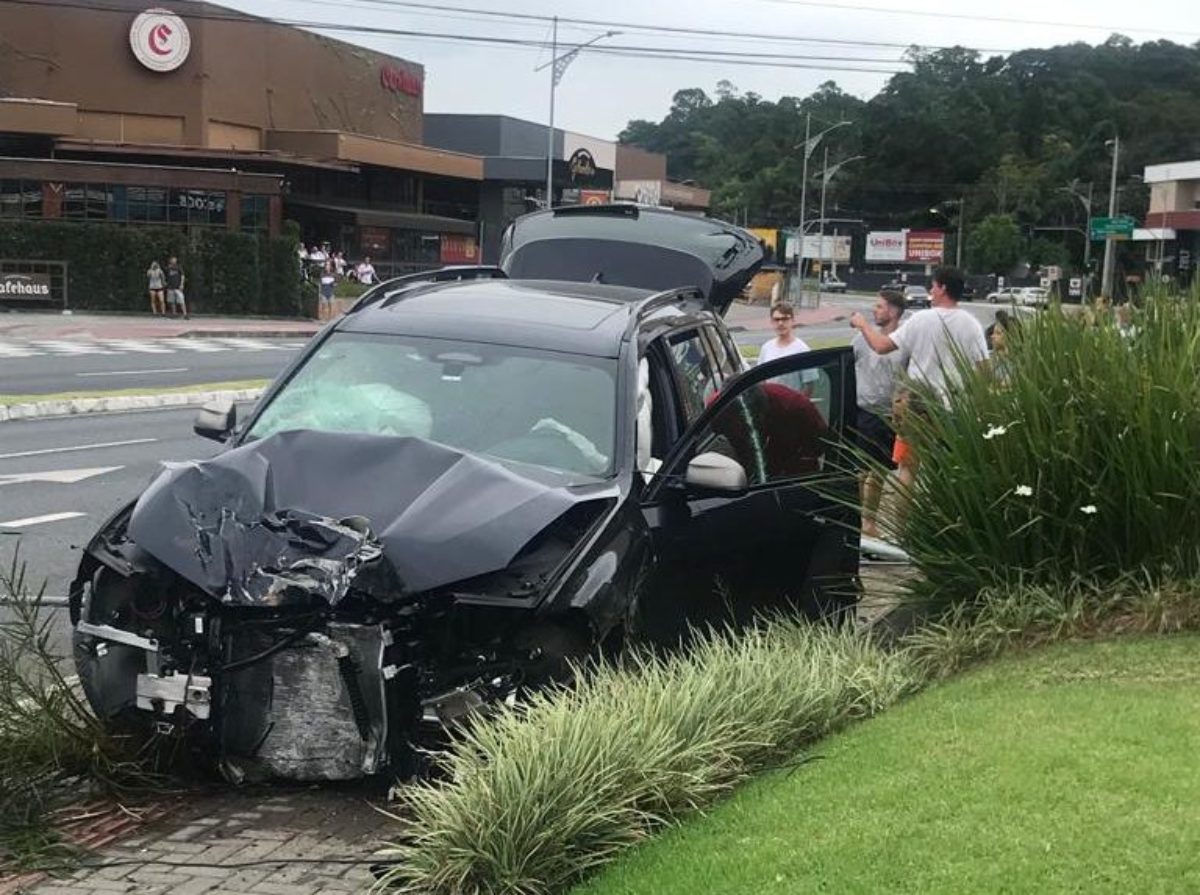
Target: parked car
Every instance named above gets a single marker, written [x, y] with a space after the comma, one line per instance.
[833, 284]
[474, 478]
[1005, 294]
[1033, 296]
[916, 297]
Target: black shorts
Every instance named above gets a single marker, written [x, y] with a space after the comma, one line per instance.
[875, 436]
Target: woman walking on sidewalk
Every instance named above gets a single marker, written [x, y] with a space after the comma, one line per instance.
[156, 282]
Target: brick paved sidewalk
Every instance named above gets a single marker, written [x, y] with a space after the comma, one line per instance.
[266, 842]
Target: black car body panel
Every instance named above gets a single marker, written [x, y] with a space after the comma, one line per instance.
[629, 245]
[312, 602]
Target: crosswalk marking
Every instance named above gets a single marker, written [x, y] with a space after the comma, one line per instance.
[13, 348]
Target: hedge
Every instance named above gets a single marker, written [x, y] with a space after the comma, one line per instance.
[227, 272]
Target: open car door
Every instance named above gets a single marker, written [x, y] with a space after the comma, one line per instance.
[754, 511]
[632, 245]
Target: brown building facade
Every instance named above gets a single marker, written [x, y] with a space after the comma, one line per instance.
[209, 117]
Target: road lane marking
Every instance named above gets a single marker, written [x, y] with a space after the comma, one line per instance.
[136, 372]
[40, 520]
[136, 345]
[79, 447]
[57, 476]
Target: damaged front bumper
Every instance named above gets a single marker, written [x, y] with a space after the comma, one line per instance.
[284, 644]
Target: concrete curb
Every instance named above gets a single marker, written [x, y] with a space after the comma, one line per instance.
[247, 334]
[74, 406]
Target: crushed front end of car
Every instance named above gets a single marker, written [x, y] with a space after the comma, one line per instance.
[307, 606]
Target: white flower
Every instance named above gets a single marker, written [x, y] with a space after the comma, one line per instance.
[993, 431]
[1023, 491]
[1089, 510]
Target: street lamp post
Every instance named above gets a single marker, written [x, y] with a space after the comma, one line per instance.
[809, 146]
[1086, 202]
[558, 65]
[961, 202]
[826, 176]
[1110, 259]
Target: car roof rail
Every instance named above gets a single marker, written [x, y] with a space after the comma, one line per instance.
[652, 303]
[609, 209]
[397, 286]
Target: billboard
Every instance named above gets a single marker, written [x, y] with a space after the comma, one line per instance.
[886, 245]
[925, 246]
[832, 248]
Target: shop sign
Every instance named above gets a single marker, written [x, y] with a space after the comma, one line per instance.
[593, 197]
[886, 245]
[160, 40]
[925, 246]
[826, 248]
[458, 249]
[34, 286]
[198, 200]
[1075, 287]
[399, 80]
[582, 165]
[374, 240]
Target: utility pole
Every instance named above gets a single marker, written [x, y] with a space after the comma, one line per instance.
[962, 212]
[1110, 259]
[555, 74]
[803, 202]
[821, 238]
[558, 65]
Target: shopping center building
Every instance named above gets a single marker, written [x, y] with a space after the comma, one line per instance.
[206, 117]
[210, 118]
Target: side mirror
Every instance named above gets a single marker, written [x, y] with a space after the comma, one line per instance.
[216, 420]
[716, 472]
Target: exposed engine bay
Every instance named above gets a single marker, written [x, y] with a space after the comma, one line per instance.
[288, 625]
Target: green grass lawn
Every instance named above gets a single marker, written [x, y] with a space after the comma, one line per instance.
[1075, 769]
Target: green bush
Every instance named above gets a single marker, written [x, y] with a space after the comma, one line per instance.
[538, 797]
[1081, 467]
[228, 272]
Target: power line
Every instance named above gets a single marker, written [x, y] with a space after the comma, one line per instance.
[662, 29]
[1003, 20]
[662, 53]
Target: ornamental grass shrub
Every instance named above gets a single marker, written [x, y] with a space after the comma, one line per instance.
[1080, 464]
[537, 797]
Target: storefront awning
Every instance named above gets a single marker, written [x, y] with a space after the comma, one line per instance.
[1153, 234]
[402, 220]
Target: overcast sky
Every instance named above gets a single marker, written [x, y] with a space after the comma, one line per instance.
[600, 93]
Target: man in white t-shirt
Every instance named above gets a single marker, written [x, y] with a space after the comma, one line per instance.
[783, 318]
[932, 343]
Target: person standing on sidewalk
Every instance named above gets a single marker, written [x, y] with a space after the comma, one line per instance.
[785, 343]
[877, 377]
[931, 344]
[328, 281]
[175, 283]
[156, 283]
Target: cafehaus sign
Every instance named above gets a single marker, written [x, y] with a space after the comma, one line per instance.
[581, 165]
[25, 285]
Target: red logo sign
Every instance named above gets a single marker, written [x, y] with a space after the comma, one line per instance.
[160, 40]
[926, 246]
[398, 80]
[459, 249]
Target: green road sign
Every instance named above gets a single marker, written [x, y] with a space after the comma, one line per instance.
[1120, 227]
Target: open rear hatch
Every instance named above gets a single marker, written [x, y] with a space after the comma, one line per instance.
[631, 245]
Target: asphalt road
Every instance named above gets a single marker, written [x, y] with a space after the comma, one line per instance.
[46, 367]
[61, 478]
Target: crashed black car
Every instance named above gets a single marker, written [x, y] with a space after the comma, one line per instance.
[474, 478]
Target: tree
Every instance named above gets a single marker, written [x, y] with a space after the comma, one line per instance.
[995, 244]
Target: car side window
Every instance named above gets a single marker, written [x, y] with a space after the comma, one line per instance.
[776, 429]
[694, 372]
[726, 365]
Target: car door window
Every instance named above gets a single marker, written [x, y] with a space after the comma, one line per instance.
[774, 429]
[694, 372]
[726, 364]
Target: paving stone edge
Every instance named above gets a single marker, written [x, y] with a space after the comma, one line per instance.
[73, 406]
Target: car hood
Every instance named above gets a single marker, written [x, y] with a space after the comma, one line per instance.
[316, 504]
[629, 245]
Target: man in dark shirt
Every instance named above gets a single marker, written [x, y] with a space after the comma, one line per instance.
[175, 283]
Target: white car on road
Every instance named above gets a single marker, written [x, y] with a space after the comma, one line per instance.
[1020, 295]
